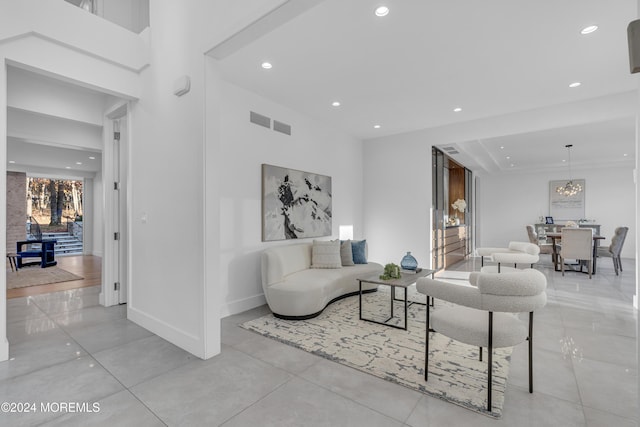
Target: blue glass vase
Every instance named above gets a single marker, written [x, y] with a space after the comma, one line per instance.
[409, 262]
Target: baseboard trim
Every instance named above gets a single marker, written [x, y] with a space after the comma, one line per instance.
[180, 338]
[238, 306]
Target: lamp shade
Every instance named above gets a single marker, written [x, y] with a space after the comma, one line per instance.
[346, 232]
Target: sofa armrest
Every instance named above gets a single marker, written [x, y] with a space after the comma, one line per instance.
[272, 271]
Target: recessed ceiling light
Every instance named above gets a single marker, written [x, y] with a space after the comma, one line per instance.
[378, 127]
[335, 103]
[564, 160]
[625, 155]
[502, 147]
[588, 30]
[457, 109]
[267, 65]
[13, 161]
[508, 157]
[382, 11]
[92, 157]
[78, 163]
[67, 167]
[575, 84]
[511, 164]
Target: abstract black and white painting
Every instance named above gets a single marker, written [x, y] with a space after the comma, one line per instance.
[295, 204]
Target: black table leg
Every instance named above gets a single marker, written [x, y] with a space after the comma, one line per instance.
[393, 296]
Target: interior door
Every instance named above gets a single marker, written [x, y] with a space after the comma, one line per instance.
[119, 209]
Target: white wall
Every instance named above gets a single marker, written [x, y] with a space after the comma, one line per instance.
[167, 137]
[511, 201]
[130, 14]
[82, 31]
[31, 92]
[37, 128]
[312, 147]
[98, 217]
[398, 167]
[175, 180]
[397, 200]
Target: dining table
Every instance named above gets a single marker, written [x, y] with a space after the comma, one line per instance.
[555, 256]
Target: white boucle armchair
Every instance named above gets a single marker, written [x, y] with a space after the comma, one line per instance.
[484, 314]
[516, 253]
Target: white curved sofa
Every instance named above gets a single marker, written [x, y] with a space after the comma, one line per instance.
[296, 291]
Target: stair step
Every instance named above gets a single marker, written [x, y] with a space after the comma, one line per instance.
[66, 244]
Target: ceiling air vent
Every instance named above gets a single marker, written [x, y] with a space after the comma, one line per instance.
[259, 119]
[449, 149]
[282, 127]
[454, 152]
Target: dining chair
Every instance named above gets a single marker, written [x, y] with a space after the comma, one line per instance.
[545, 248]
[615, 248]
[484, 314]
[577, 243]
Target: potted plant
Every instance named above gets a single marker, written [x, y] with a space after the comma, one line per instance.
[459, 205]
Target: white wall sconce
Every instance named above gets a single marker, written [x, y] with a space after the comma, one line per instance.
[346, 232]
[182, 85]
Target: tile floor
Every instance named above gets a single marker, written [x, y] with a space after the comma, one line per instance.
[67, 348]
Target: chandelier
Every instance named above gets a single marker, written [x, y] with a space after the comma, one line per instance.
[569, 189]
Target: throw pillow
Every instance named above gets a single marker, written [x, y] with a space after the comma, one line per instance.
[346, 253]
[325, 254]
[359, 251]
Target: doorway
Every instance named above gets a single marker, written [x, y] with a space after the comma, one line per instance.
[115, 277]
[452, 211]
[52, 148]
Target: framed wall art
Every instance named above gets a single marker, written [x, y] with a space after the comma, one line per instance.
[295, 204]
[565, 208]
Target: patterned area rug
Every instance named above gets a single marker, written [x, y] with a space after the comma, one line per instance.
[32, 276]
[455, 373]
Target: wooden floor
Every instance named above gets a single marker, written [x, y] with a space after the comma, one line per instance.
[88, 267]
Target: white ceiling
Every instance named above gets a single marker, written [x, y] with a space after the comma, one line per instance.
[41, 143]
[410, 69]
[52, 161]
[603, 144]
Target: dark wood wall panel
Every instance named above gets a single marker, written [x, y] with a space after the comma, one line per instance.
[456, 190]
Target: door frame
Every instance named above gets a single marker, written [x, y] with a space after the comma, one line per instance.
[110, 264]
